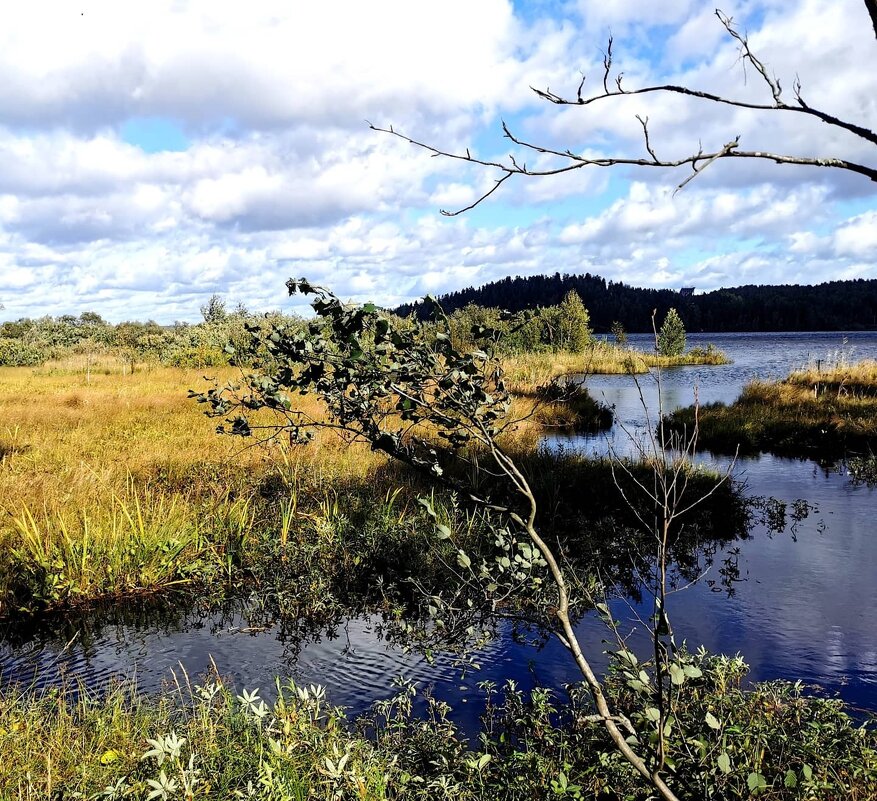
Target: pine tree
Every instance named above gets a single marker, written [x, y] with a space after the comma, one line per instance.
[671, 337]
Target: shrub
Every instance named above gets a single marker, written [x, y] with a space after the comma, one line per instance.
[18, 353]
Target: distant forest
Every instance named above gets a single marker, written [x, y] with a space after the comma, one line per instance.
[833, 306]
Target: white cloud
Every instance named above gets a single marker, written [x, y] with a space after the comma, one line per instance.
[858, 237]
[282, 175]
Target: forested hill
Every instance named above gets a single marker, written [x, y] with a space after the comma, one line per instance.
[834, 306]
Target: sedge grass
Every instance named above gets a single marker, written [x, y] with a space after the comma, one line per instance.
[812, 412]
[526, 371]
[841, 379]
[121, 485]
[138, 542]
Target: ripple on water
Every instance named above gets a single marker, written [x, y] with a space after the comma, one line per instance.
[806, 606]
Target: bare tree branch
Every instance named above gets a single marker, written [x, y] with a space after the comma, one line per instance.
[698, 160]
[871, 5]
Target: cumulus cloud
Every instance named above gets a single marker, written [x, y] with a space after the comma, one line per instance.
[275, 172]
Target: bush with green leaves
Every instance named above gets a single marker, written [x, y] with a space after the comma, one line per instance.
[19, 353]
[206, 741]
[564, 327]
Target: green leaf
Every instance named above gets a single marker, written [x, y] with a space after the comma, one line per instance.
[426, 503]
[653, 713]
[677, 675]
[463, 561]
[693, 672]
[790, 780]
[724, 763]
[755, 781]
[807, 771]
[712, 722]
[444, 533]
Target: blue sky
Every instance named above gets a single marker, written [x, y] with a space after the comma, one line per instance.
[155, 134]
[153, 154]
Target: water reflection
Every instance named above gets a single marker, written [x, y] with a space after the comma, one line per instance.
[804, 606]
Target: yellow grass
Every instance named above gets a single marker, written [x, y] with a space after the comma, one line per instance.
[62, 439]
[526, 371]
[78, 452]
[96, 465]
[842, 377]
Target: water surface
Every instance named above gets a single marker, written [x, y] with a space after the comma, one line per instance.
[804, 605]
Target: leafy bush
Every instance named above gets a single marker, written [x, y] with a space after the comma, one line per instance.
[18, 353]
[728, 744]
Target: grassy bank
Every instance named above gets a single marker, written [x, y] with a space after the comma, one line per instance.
[203, 740]
[823, 413]
[114, 487]
[528, 370]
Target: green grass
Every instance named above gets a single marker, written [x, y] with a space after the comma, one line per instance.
[823, 414]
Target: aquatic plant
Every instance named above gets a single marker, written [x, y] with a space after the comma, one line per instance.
[203, 739]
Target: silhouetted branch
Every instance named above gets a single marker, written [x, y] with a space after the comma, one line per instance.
[871, 5]
[698, 161]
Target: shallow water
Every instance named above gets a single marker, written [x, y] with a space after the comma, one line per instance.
[804, 607]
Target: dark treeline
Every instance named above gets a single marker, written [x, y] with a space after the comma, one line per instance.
[833, 306]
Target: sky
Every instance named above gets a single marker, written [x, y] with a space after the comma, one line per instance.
[153, 154]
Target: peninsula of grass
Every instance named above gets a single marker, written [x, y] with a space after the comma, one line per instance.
[824, 413]
[528, 370]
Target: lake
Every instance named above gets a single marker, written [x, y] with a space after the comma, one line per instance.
[804, 602]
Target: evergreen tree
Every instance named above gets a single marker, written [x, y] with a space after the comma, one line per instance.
[671, 337]
[574, 323]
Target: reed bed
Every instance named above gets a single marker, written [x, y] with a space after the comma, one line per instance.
[822, 412]
[526, 371]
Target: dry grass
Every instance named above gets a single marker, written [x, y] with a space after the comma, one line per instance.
[841, 379]
[123, 482]
[64, 441]
[526, 371]
[826, 413]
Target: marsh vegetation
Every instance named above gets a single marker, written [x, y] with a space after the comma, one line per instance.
[115, 488]
[825, 411]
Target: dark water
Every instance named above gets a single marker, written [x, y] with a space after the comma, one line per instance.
[804, 607]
